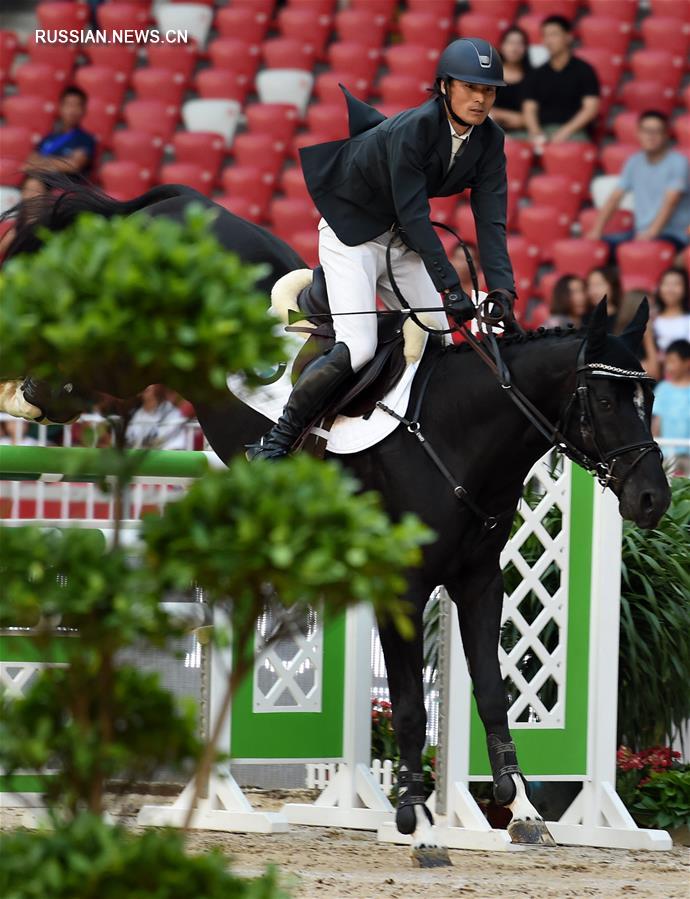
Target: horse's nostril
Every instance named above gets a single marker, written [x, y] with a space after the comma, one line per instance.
[647, 501]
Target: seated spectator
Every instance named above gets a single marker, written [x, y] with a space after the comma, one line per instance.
[570, 303]
[507, 111]
[68, 148]
[30, 187]
[561, 97]
[671, 419]
[672, 319]
[605, 282]
[157, 423]
[15, 432]
[659, 179]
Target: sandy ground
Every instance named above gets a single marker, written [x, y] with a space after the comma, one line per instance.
[325, 863]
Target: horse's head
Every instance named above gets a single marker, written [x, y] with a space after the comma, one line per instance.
[611, 418]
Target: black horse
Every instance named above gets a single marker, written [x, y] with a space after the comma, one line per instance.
[588, 382]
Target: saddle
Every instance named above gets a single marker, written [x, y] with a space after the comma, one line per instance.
[400, 341]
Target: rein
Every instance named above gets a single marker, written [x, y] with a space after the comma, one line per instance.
[603, 468]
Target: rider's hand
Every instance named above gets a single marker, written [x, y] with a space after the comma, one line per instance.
[458, 305]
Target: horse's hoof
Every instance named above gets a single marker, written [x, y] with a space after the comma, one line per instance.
[430, 857]
[533, 832]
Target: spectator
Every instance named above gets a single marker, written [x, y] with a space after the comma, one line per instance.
[605, 282]
[672, 321]
[561, 97]
[659, 179]
[514, 52]
[157, 422]
[672, 404]
[68, 148]
[15, 432]
[569, 303]
[30, 187]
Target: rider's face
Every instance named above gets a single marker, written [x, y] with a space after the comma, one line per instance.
[471, 102]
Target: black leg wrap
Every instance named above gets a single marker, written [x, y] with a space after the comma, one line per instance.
[411, 793]
[503, 759]
[59, 405]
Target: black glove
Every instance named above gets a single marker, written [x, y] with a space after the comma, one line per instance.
[459, 306]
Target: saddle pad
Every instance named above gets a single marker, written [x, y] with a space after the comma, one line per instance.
[347, 435]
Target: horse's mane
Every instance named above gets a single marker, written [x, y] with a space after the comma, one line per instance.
[517, 338]
[68, 196]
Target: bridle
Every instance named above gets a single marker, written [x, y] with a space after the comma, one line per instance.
[496, 309]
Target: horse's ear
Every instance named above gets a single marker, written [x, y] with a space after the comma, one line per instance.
[596, 332]
[634, 330]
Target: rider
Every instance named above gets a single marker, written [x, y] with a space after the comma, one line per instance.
[374, 187]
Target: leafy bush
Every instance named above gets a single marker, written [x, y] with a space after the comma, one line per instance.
[87, 859]
[119, 303]
[664, 800]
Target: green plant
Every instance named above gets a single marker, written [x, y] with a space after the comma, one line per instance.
[664, 800]
[88, 859]
[654, 658]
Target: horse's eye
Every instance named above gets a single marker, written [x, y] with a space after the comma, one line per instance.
[605, 403]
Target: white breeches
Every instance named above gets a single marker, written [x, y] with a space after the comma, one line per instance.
[355, 275]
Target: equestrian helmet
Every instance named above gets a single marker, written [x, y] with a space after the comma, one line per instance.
[473, 60]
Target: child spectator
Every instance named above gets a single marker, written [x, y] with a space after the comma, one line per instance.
[569, 303]
[68, 148]
[605, 282]
[672, 404]
[507, 112]
[672, 321]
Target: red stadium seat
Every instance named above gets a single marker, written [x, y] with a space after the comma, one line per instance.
[189, 174]
[328, 119]
[112, 16]
[361, 26]
[412, 59]
[100, 120]
[572, 159]
[124, 180]
[471, 24]
[308, 139]
[11, 174]
[326, 7]
[544, 8]
[608, 66]
[178, 58]
[249, 182]
[292, 184]
[657, 65]
[305, 22]
[519, 159]
[524, 257]
[38, 80]
[614, 157]
[277, 119]
[263, 6]
[16, 141]
[289, 215]
[260, 150]
[356, 58]
[686, 97]
[204, 148]
[465, 224]
[306, 245]
[681, 129]
[499, 9]
[62, 57]
[151, 115]
[235, 55]
[243, 23]
[447, 7]
[33, 113]
[531, 24]
[623, 10]
[288, 53]
[102, 83]
[621, 220]
[544, 289]
[405, 90]
[63, 15]
[158, 84]
[383, 8]
[120, 57]
[219, 84]
[327, 86]
[579, 256]
[240, 206]
[672, 9]
[425, 28]
[664, 33]
[606, 32]
[557, 191]
[625, 127]
[641, 263]
[9, 45]
[443, 208]
[542, 225]
[639, 96]
[140, 147]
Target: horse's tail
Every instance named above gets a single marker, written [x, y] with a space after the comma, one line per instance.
[68, 196]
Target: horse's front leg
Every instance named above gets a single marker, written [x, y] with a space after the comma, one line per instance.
[404, 665]
[479, 600]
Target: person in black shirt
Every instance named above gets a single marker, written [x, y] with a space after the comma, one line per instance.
[561, 98]
[514, 50]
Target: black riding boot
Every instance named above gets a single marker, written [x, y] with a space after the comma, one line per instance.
[315, 389]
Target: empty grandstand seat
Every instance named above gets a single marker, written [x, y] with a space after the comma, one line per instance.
[204, 148]
[518, 158]
[606, 32]
[623, 10]
[672, 9]
[557, 191]
[240, 206]
[289, 215]
[500, 9]
[263, 6]
[544, 288]
[638, 96]
[356, 58]
[405, 90]
[151, 115]
[470, 24]
[625, 127]
[120, 57]
[285, 86]
[308, 139]
[600, 190]
[412, 59]
[465, 224]
[124, 180]
[664, 33]
[657, 65]
[384, 8]
[327, 86]
[326, 7]
[189, 174]
[292, 184]
[447, 7]
[118, 16]
[614, 156]
[425, 28]
[141, 147]
[328, 119]
[306, 245]
[34, 113]
[63, 15]
[34, 79]
[306, 23]
[194, 18]
[178, 58]
[607, 65]
[621, 220]
[9, 45]
[641, 263]
[524, 257]
[277, 119]
[261, 150]
[362, 26]
[11, 174]
[686, 97]
[235, 55]
[573, 159]
[219, 116]
[220, 84]
[542, 225]
[16, 141]
[443, 208]
[100, 120]
[249, 182]
[531, 24]
[288, 53]
[579, 256]
[244, 23]
[102, 83]
[59, 56]
[681, 129]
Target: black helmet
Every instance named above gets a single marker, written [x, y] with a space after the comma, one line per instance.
[471, 59]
